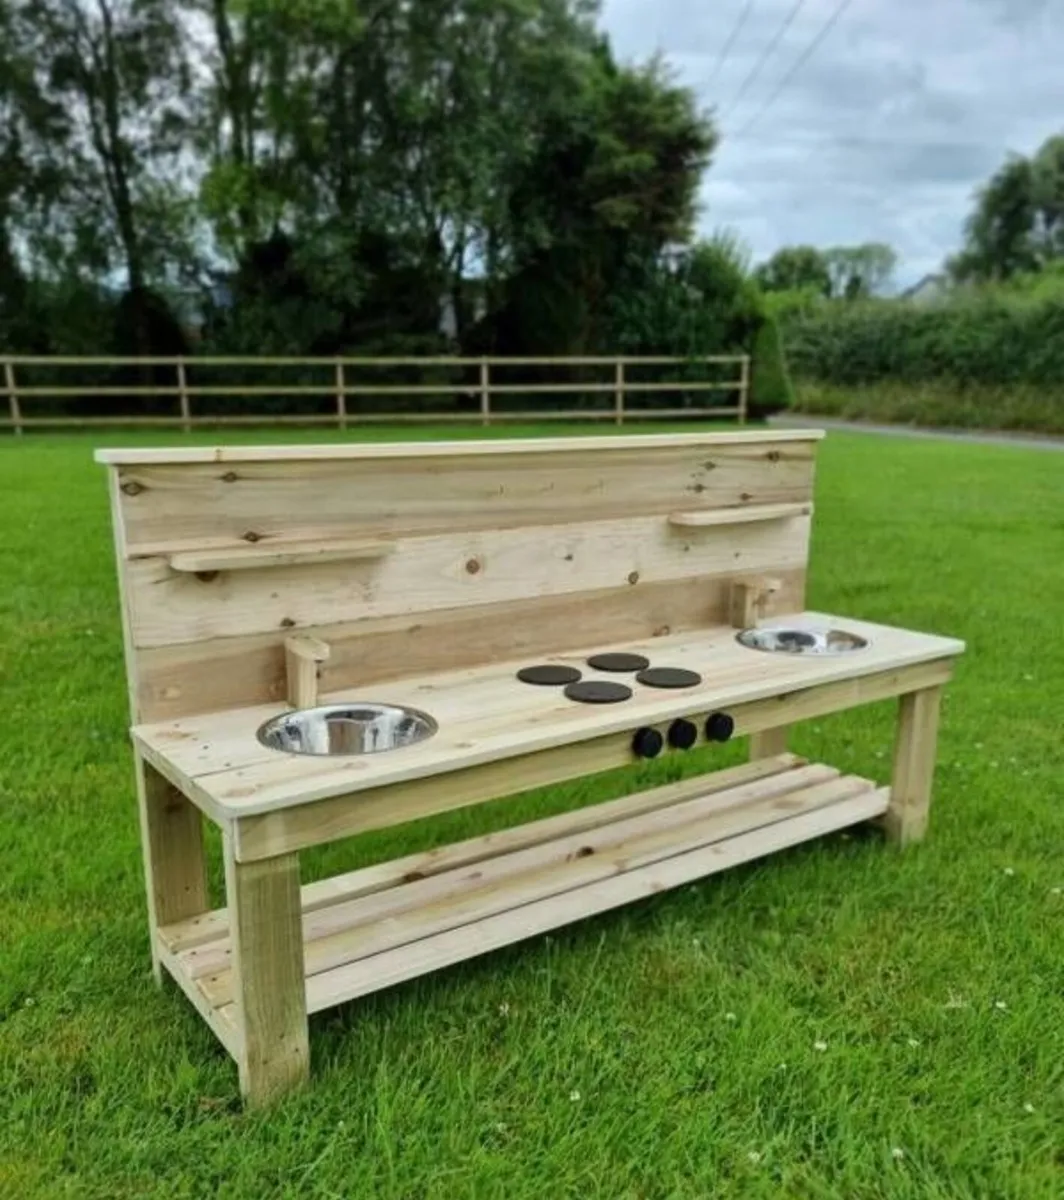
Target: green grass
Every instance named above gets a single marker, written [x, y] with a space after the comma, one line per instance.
[1016, 408]
[667, 1050]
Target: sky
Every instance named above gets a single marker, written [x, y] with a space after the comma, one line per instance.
[883, 133]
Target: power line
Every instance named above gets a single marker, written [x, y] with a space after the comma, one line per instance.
[803, 58]
[732, 38]
[766, 54]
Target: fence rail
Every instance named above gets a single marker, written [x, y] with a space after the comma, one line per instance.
[479, 389]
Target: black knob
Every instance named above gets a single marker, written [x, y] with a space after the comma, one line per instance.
[682, 734]
[647, 743]
[719, 727]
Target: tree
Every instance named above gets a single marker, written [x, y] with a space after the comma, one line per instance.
[796, 268]
[612, 183]
[998, 238]
[1017, 225]
[857, 272]
[117, 69]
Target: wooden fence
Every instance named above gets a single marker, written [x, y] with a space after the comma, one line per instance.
[477, 389]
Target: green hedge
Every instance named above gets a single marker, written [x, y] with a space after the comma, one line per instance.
[989, 339]
[1028, 408]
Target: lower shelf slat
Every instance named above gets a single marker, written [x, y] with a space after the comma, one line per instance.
[374, 928]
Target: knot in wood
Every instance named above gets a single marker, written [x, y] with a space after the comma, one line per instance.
[132, 488]
[473, 566]
[633, 577]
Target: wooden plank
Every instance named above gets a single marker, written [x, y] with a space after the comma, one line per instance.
[744, 389]
[750, 600]
[366, 881]
[288, 554]
[447, 571]
[769, 743]
[407, 962]
[707, 518]
[341, 396]
[220, 1018]
[279, 827]
[225, 673]
[483, 712]
[303, 658]
[684, 805]
[12, 397]
[174, 455]
[915, 745]
[267, 975]
[175, 866]
[183, 393]
[421, 909]
[189, 506]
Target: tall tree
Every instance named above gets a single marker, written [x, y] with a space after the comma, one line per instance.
[858, 272]
[794, 268]
[117, 70]
[998, 235]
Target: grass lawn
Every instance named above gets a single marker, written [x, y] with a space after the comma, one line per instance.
[844, 1020]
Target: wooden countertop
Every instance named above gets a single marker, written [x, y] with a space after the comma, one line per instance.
[486, 715]
[452, 449]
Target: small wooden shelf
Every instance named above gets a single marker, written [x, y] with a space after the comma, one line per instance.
[704, 518]
[289, 554]
[378, 926]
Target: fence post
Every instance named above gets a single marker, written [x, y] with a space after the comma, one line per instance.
[744, 388]
[341, 395]
[182, 391]
[12, 396]
[485, 393]
[618, 395]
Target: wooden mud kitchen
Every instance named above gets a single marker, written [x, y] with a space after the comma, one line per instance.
[325, 640]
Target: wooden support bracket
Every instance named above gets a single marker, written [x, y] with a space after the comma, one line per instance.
[747, 599]
[302, 658]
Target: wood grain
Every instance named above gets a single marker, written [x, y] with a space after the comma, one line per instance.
[427, 574]
[226, 673]
[915, 745]
[182, 507]
[287, 828]
[175, 866]
[367, 881]
[267, 976]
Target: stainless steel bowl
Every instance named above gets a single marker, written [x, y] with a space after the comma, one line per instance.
[780, 640]
[347, 729]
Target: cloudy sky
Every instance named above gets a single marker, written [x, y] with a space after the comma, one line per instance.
[882, 134]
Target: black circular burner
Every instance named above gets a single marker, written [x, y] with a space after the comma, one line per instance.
[549, 675]
[618, 662]
[598, 691]
[669, 677]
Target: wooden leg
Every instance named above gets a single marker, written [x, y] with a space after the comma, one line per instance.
[914, 765]
[768, 742]
[266, 926]
[175, 868]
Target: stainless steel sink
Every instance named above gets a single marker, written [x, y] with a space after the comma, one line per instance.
[778, 639]
[347, 729]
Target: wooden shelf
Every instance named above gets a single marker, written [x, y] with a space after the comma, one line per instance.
[705, 518]
[379, 926]
[255, 557]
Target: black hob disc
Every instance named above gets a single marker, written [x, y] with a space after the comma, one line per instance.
[549, 675]
[669, 677]
[618, 662]
[598, 691]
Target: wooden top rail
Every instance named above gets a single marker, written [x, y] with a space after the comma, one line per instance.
[514, 446]
[190, 360]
